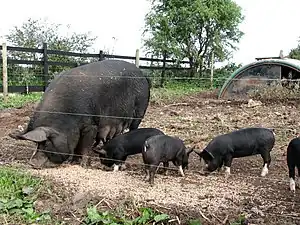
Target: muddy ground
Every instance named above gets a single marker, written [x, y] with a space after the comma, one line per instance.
[195, 119]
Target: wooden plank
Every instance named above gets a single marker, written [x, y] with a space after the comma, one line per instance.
[22, 89]
[160, 68]
[119, 56]
[75, 54]
[161, 60]
[142, 58]
[22, 49]
[36, 62]
[74, 64]
[24, 62]
[70, 64]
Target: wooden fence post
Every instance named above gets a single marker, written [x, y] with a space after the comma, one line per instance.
[162, 80]
[101, 55]
[212, 70]
[137, 58]
[4, 69]
[46, 66]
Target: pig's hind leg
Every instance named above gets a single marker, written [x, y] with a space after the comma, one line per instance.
[166, 166]
[178, 163]
[152, 171]
[291, 167]
[147, 172]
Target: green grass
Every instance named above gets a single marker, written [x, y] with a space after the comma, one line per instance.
[19, 100]
[18, 192]
[170, 91]
[145, 216]
[175, 89]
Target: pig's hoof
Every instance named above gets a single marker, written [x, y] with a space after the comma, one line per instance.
[123, 167]
[116, 168]
[84, 165]
[292, 185]
[226, 175]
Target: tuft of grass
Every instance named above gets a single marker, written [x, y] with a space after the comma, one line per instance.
[146, 216]
[18, 192]
[19, 100]
[241, 220]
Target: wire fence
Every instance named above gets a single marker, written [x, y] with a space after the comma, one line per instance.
[97, 75]
[233, 83]
[292, 203]
[141, 164]
[285, 181]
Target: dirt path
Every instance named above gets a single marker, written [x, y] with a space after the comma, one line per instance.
[196, 121]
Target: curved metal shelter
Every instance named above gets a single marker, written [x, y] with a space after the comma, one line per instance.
[266, 71]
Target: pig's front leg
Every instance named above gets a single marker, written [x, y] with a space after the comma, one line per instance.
[227, 164]
[87, 137]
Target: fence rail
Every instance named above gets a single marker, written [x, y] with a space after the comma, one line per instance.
[44, 62]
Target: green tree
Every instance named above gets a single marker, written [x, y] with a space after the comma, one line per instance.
[222, 74]
[33, 33]
[295, 52]
[193, 29]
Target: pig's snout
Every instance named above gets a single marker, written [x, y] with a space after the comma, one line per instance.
[39, 160]
[205, 171]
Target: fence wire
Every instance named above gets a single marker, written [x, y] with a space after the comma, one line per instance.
[285, 181]
[140, 164]
[96, 75]
[239, 176]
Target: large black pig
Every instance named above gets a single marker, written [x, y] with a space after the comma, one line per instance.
[240, 143]
[82, 103]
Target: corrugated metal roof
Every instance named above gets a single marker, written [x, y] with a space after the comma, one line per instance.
[294, 63]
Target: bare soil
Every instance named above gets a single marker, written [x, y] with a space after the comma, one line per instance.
[195, 119]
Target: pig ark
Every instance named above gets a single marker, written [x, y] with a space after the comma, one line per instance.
[82, 103]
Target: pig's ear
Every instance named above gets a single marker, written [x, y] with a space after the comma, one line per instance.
[146, 144]
[206, 155]
[39, 134]
[190, 150]
[102, 153]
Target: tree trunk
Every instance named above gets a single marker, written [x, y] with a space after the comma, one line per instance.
[192, 67]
